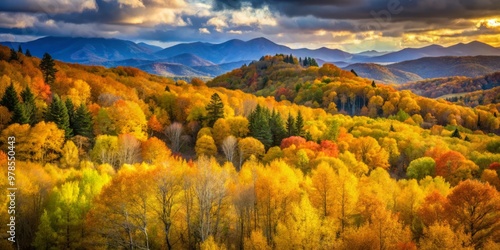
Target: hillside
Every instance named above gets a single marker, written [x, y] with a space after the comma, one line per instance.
[469, 66]
[382, 73]
[471, 49]
[108, 158]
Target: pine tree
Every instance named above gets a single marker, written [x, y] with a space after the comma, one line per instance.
[29, 105]
[373, 84]
[13, 55]
[290, 126]
[215, 109]
[456, 134]
[28, 53]
[19, 115]
[259, 126]
[299, 125]
[83, 122]
[58, 114]
[277, 128]
[313, 62]
[47, 66]
[19, 49]
[10, 99]
[71, 112]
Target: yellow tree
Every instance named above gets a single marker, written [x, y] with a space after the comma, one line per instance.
[205, 145]
[70, 155]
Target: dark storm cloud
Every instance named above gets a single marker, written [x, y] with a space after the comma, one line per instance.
[365, 9]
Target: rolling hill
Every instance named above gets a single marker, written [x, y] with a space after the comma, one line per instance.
[382, 73]
[428, 68]
[470, 49]
[437, 87]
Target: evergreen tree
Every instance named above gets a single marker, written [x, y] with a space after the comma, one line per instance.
[19, 115]
[373, 84]
[467, 138]
[71, 112]
[299, 125]
[58, 114]
[277, 128]
[259, 126]
[19, 49]
[47, 66]
[313, 62]
[28, 53]
[13, 55]
[456, 134]
[29, 105]
[354, 72]
[10, 99]
[215, 109]
[83, 122]
[290, 126]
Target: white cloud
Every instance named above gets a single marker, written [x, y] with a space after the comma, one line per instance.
[204, 31]
[219, 22]
[238, 32]
[16, 20]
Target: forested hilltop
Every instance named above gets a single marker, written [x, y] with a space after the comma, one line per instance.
[313, 158]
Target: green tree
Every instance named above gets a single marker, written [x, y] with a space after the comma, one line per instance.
[71, 112]
[45, 237]
[28, 53]
[10, 98]
[259, 126]
[29, 105]
[83, 122]
[19, 49]
[290, 126]
[299, 125]
[13, 55]
[277, 128]
[58, 113]
[421, 167]
[47, 66]
[19, 115]
[456, 134]
[215, 109]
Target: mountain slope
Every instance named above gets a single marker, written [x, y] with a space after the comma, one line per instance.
[438, 87]
[432, 67]
[471, 49]
[382, 73]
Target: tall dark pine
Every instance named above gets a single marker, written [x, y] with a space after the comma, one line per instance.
[456, 134]
[290, 126]
[215, 109]
[258, 124]
[10, 99]
[29, 105]
[71, 112]
[373, 84]
[13, 55]
[83, 122]
[28, 53]
[277, 128]
[47, 66]
[19, 115]
[58, 114]
[299, 125]
[19, 49]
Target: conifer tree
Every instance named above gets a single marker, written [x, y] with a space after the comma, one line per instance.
[277, 128]
[456, 134]
[10, 99]
[58, 114]
[290, 126]
[28, 53]
[19, 49]
[299, 125]
[13, 55]
[29, 105]
[373, 84]
[19, 115]
[71, 112]
[258, 124]
[47, 66]
[215, 109]
[83, 122]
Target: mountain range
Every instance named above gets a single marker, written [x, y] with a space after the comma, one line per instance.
[208, 59]
[428, 67]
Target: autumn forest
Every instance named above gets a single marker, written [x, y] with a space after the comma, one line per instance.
[278, 154]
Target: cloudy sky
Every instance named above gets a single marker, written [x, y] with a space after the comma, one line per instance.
[352, 25]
